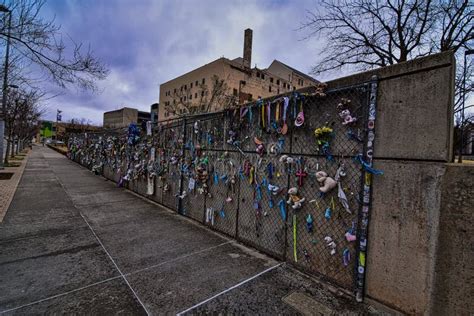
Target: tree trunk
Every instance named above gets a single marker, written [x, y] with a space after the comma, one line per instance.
[7, 152]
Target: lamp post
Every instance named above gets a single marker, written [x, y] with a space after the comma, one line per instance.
[461, 147]
[5, 83]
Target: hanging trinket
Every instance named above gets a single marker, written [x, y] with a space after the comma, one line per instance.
[210, 216]
[301, 173]
[260, 150]
[340, 192]
[328, 213]
[284, 128]
[327, 183]
[346, 117]
[350, 234]
[295, 254]
[299, 121]
[306, 254]
[366, 166]
[309, 223]
[282, 206]
[294, 200]
[331, 245]
[346, 257]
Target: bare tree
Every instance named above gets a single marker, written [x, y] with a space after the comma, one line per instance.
[22, 117]
[38, 42]
[370, 33]
[217, 97]
[366, 34]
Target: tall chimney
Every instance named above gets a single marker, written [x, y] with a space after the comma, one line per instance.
[247, 48]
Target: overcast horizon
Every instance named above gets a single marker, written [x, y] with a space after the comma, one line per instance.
[145, 43]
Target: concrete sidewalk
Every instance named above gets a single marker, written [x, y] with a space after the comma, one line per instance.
[72, 242]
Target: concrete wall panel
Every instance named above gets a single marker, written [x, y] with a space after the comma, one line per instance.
[403, 234]
[454, 273]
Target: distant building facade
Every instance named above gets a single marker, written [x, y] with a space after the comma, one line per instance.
[243, 83]
[154, 111]
[123, 117]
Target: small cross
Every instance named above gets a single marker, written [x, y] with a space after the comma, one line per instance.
[301, 174]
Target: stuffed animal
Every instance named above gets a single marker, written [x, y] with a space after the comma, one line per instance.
[260, 150]
[331, 245]
[320, 89]
[327, 182]
[294, 200]
[347, 118]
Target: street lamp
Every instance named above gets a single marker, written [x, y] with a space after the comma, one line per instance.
[4, 9]
[466, 52]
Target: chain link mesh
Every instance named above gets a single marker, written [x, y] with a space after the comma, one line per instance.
[210, 168]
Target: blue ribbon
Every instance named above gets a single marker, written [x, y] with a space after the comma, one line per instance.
[366, 166]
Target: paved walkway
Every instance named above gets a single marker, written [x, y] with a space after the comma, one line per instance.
[72, 242]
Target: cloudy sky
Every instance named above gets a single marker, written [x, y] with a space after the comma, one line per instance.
[147, 42]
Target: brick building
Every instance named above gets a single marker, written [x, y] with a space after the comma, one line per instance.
[242, 83]
[124, 116]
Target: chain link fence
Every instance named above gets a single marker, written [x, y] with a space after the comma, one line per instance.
[284, 175]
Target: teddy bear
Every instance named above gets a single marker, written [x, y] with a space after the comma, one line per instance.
[294, 200]
[327, 182]
[320, 89]
[347, 118]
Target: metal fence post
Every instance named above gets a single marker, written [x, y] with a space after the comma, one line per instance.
[181, 177]
[366, 194]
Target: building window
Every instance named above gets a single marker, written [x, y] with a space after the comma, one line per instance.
[174, 91]
[181, 88]
[235, 91]
[263, 77]
[190, 97]
[202, 93]
[294, 88]
[174, 101]
[278, 81]
[271, 80]
[191, 85]
[269, 88]
[197, 83]
[180, 99]
[185, 87]
[258, 75]
[203, 80]
[184, 98]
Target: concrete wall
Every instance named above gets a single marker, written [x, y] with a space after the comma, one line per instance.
[413, 143]
[454, 271]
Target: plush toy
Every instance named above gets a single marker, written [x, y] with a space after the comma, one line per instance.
[260, 146]
[347, 118]
[294, 200]
[327, 182]
[331, 245]
[232, 137]
[273, 189]
[320, 89]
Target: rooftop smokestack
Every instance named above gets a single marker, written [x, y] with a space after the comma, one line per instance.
[248, 48]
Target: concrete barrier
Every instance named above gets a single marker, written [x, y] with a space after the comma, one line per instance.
[414, 135]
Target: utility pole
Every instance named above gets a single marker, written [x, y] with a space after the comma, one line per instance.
[5, 84]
